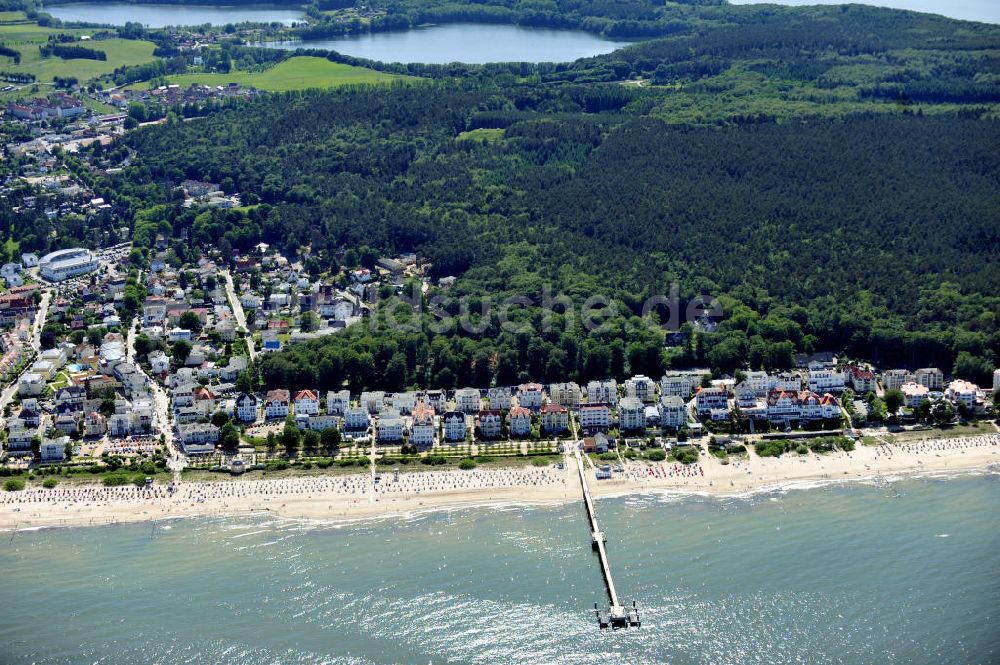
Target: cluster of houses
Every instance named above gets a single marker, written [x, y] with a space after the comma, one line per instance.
[99, 394]
[56, 105]
[175, 95]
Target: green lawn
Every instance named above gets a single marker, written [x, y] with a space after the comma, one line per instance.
[298, 73]
[26, 38]
[487, 135]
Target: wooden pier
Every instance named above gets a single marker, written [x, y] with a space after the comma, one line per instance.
[617, 615]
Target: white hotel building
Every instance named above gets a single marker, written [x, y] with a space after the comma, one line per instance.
[66, 263]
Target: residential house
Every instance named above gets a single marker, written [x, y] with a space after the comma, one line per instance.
[159, 362]
[71, 398]
[814, 407]
[454, 426]
[306, 403]
[423, 430]
[708, 399]
[679, 385]
[490, 424]
[567, 394]
[198, 439]
[356, 418]
[914, 394]
[529, 396]
[247, 406]
[783, 406]
[403, 402]
[673, 412]
[596, 444]
[95, 425]
[320, 422]
[53, 450]
[520, 421]
[893, 379]
[825, 379]
[499, 398]
[30, 385]
[555, 418]
[603, 392]
[641, 387]
[931, 377]
[19, 440]
[337, 402]
[962, 392]
[862, 379]
[631, 414]
[467, 400]
[373, 400]
[436, 399]
[784, 381]
[276, 404]
[595, 418]
[389, 427]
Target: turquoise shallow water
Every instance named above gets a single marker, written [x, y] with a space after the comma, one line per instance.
[901, 573]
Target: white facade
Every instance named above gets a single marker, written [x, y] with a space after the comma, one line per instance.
[467, 400]
[520, 422]
[454, 426]
[423, 430]
[67, 263]
[337, 402]
[306, 403]
[529, 395]
[641, 387]
[825, 380]
[490, 424]
[356, 418]
[246, 408]
[603, 392]
[389, 427]
[499, 398]
[595, 417]
[631, 414]
[673, 412]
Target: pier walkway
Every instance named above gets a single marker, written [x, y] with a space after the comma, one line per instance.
[616, 616]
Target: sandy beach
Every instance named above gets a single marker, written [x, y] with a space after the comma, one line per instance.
[355, 497]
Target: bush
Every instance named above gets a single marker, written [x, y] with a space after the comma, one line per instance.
[657, 455]
[115, 480]
[13, 485]
[802, 450]
[50, 482]
[139, 481]
[685, 454]
[541, 461]
[607, 457]
[467, 464]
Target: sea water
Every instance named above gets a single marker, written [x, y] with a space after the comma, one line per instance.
[897, 572]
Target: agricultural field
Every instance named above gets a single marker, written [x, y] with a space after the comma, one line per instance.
[298, 73]
[26, 37]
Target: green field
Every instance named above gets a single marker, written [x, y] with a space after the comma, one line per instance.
[299, 73]
[27, 37]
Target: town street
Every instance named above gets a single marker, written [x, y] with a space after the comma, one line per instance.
[241, 319]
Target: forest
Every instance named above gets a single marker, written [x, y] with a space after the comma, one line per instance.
[875, 235]
[827, 177]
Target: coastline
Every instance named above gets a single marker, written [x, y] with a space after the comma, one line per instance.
[355, 498]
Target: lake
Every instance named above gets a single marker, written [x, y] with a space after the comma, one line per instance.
[159, 16]
[904, 572]
[987, 11]
[471, 43]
